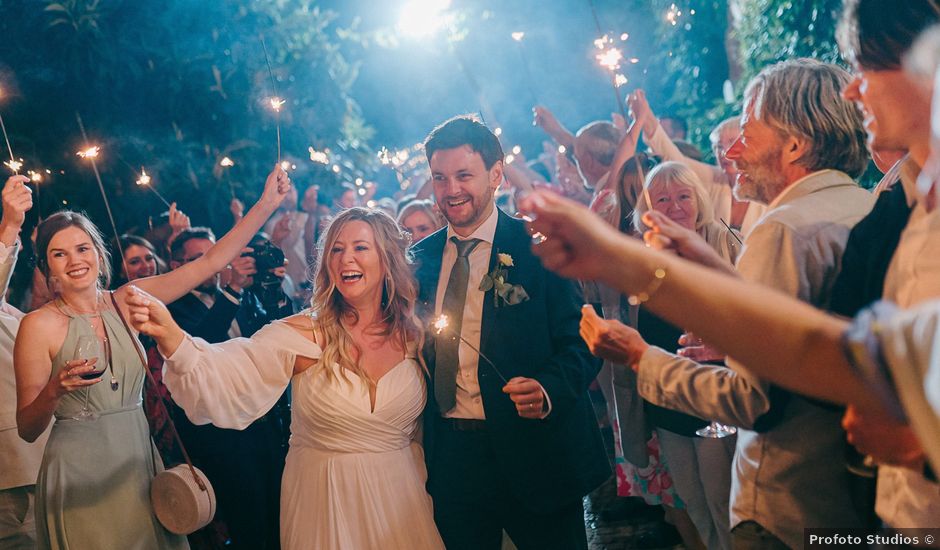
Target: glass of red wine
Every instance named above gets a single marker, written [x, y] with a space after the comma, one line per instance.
[88, 349]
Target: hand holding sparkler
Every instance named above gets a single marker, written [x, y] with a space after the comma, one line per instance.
[276, 187]
[526, 393]
[17, 200]
[665, 234]
[642, 112]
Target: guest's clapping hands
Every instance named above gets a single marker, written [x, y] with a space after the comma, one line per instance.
[885, 440]
[578, 244]
[527, 394]
[611, 340]
[642, 112]
[149, 316]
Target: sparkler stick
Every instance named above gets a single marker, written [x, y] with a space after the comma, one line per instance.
[91, 153]
[228, 163]
[144, 181]
[442, 323]
[12, 164]
[517, 37]
[733, 234]
[276, 101]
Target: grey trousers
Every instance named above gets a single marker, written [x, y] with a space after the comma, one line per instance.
[701, 470]
[17, 518]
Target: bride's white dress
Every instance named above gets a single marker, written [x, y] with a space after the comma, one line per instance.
[355, 478]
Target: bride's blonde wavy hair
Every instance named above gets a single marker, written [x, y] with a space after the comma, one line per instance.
[399, 294]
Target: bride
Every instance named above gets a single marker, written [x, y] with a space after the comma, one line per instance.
[355, 472]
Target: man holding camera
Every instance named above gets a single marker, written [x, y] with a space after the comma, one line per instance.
[244, 467]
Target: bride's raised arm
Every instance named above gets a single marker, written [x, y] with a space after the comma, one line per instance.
[230, 384]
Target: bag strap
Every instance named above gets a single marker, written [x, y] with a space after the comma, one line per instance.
[169, 419]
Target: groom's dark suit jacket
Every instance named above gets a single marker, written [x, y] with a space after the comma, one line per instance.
[547, 463]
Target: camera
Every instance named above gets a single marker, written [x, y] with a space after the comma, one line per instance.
[267, 257]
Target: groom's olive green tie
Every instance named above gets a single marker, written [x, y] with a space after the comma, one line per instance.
[455, 296]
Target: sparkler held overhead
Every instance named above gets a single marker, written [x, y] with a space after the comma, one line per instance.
[274, 102]
[12, 164]
[145, 181]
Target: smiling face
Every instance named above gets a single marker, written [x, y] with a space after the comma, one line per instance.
[758, 157]
[896, 109]
[355, 266]
[139, 262]
[463, 187]
[73, 259]
[676, 201]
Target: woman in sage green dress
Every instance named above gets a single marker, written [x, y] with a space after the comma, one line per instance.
[93, 490]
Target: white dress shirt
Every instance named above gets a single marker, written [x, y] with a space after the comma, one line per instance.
[19, 460]
[469, 401]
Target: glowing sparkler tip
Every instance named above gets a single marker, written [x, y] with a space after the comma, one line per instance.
[624, 37]
[599, 43]
[319, 156]
[620, 80]
[226, 162]
[441, 323]
[610, 58]
[276, 103]
[34, 177]
[14, 165]
[673, 14]
[144, 179]
[518, 36]
[89, 153]
[384, 156]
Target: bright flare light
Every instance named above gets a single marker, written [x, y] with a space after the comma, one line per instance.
[423, 18]
[276, 104]
[441, 323]
[673, 14]
[34, 177]
[226, 162]
[14, 165]
[518, 36]
[610, 58]
[498, 132]
[562, 149]
[510, 159]
[321, 157]
[620, 80]
[516, 150]
[90, 153]
[144, 179]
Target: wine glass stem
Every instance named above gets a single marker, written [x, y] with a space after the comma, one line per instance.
[85, 404]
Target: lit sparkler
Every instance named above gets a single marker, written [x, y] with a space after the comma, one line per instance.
[34, 177]
[321, 157]
[518, 36]
[620, 79]
[90, 152]
[144, 181]
[14, 165]
[275, 102]
[442, 323]
[673, 14]
[226, 162]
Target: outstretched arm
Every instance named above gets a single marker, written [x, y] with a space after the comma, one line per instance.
[777, 337]
[170, 286]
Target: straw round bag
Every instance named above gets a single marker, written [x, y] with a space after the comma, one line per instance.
[181, 505]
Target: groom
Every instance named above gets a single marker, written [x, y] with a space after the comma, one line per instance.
[511, 440]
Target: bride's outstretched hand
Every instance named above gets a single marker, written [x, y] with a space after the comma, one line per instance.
[149, 316]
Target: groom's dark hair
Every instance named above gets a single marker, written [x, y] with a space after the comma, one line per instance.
[465, 130]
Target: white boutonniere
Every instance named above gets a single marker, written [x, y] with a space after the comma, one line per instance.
[496, 280]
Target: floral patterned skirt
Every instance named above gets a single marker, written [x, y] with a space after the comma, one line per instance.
[652, 483]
